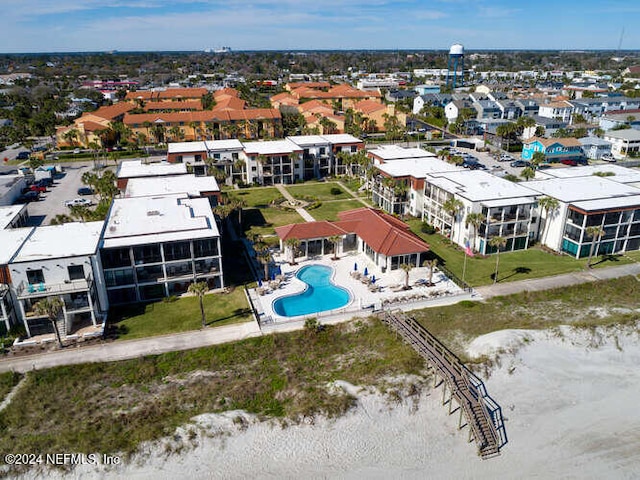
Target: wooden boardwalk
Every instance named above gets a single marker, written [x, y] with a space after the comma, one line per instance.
[483, 415]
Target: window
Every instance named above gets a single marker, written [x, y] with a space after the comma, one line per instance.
[147, 254]
[234, 156]
[205, 248]
[177, 251]
[35, 276]
[216, 156]
[76, 272]
[115, 257]
[114, 278]
[354, 149]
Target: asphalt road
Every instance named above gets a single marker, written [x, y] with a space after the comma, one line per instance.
[51, 203]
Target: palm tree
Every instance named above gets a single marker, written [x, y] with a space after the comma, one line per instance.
[335, 239]
[498, 242]
[432, 264]
[452, 206]
[595, 232]
[292, 244]
[475, 220]
[51, 307]
[528, 173]
[199, 289]
[194, 126]
[549, 205]
[406, 267]
[265, 256]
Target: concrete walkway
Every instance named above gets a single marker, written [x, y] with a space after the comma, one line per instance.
[301, 211]
[546, 283]
[128, 349]
[352, 193]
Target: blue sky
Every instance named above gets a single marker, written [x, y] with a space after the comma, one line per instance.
[89, 25]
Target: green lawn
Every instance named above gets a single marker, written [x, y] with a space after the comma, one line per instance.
[180, 315]
[520, 265]
[262, 221]
[319, 190]
[257, 196]
[329, 210]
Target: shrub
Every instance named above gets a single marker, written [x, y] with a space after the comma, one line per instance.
[335, 191]
[428, 229]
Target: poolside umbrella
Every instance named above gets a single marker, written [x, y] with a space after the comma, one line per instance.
[355, 267]
[373, 279]
[259, 282]
[273, 275]
[366, 272]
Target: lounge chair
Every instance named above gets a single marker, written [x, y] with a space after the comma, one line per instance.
[31, 288]
[42, 288]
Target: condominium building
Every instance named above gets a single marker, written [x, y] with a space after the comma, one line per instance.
[59, 261]
[156, 246]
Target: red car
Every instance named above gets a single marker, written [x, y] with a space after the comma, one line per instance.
[38, 188]
[568, 161]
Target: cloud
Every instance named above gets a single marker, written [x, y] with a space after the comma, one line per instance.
[497, 12]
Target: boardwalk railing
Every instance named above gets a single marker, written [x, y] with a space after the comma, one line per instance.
[483, 414]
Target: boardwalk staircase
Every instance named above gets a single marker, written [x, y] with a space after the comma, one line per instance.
[483, 415]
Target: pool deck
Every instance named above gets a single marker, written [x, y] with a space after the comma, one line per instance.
[390, 293]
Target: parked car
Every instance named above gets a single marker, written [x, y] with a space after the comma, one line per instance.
[24, 155]
[38, 188]
[30, 196]
[78, 202]
[607, 157]
[520, 163]
[569, 161]
[505, 158]
[45, 182]
[85, 191]
[471, 163]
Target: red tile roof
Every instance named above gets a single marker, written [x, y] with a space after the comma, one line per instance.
[382, 232]
[176, 105]
[203, 116]
[369, 106]
[112, 111]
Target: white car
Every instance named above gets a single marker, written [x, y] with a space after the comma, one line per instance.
[78, 202]
[607, 157]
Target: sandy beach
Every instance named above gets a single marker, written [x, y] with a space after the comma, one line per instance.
[569, 398]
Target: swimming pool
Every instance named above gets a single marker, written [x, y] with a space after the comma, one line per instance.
[320, 295]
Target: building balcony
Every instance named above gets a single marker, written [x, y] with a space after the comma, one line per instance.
[35, 290]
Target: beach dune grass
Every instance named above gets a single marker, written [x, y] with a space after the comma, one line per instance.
[113, 407]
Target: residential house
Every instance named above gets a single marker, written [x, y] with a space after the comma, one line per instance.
[554, 149]
[453, 109]
[594, 148]
[624, 143]
[11, 240]
[88, 128]
[548, 125]
[487, 109]
[156, 246]
[620, 119]
[561, 110]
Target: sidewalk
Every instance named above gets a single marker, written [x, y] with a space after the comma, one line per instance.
[546, 283]
[352, 193]
[301, 211]
[128, 349]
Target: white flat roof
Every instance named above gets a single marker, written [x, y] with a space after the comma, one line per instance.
[8, 213]
[337, 138]
[620, 174]
[142, 220]
[135, 168]
[186, 147]
[230, 144]
[581, 189]
[416, 167]
[608, 203]
[308, 140]
[189, 184]
[11, 240]
[479, 186]
[271, 148]
[61, 241]
[395, 152]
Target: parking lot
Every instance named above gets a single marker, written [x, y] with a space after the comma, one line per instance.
[65, 187]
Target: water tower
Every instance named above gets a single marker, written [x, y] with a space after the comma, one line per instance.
[456, 60]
